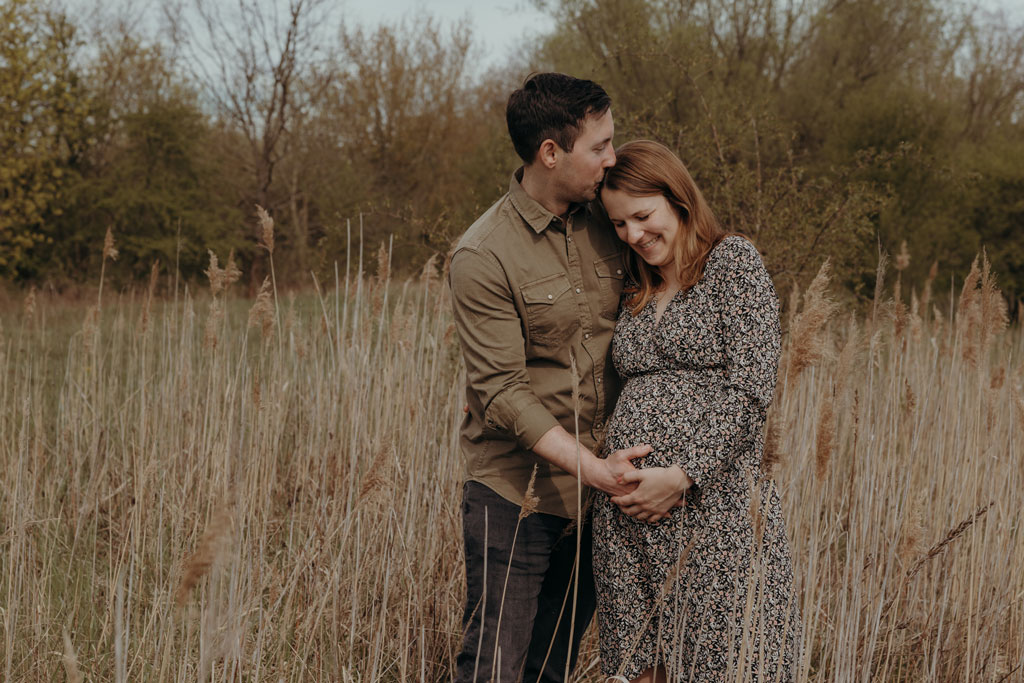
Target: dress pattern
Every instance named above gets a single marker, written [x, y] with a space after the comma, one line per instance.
[706, 593]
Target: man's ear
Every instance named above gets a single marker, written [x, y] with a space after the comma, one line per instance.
[548, 153]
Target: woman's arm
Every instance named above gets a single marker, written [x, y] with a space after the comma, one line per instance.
[749, 313]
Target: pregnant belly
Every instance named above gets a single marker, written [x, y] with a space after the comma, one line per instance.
[664, 410]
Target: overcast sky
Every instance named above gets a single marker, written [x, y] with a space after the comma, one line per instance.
[498, 26]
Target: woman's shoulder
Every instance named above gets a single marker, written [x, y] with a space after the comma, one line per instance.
[733, 252]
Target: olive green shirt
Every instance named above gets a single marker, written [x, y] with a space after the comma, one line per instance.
[531, 292]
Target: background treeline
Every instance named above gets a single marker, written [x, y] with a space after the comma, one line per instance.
[820, 128]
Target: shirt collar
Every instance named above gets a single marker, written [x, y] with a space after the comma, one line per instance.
[535, 215]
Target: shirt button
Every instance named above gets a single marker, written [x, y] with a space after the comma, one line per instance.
[550, 296]
[578, 290]
[569, 238]
[619, 271]
[598, 380]
[586, 335]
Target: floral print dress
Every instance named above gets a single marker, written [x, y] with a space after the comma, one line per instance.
[706, 593]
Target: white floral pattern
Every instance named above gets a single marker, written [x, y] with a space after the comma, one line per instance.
[697, 593]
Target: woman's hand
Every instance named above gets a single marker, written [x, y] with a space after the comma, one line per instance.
[659, 489]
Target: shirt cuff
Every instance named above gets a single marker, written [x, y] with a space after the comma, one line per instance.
[520, 414]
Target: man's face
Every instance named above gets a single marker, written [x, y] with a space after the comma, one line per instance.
[579, 173]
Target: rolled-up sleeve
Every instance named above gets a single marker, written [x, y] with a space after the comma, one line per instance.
[491, 335]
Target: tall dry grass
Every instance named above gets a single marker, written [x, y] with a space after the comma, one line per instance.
[203, 488]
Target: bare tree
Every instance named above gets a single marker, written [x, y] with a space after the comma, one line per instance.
[262, 66]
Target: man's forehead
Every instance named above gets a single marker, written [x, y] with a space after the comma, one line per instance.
[599, 125]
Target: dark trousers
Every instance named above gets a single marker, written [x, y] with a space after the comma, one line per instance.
[538, 594]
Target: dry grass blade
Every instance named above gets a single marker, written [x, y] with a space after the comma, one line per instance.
[951, 536]
[825, 437]
[347, 470]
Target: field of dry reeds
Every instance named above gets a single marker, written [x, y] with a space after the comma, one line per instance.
[199, 487]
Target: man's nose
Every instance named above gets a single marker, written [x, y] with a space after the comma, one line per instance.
[610, 158]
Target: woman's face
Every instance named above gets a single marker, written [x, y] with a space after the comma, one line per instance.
[649, 225]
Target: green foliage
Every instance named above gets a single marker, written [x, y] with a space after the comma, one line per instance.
[42, 113]
[157, 190]
[822, 129]
[147, 175]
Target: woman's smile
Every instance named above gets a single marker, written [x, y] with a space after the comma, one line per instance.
[648, 224]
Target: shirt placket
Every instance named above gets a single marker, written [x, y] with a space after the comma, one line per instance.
[585, 315]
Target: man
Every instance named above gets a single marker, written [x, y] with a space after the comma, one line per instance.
[535, 286]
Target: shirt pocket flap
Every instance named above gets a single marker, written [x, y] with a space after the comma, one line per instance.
[545, 290]
[610, 266]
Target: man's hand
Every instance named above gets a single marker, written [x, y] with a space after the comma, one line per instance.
[658, 490]
[608, 474]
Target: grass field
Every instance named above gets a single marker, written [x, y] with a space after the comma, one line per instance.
[198, 487]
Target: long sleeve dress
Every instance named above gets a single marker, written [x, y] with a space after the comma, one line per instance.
[709, 590]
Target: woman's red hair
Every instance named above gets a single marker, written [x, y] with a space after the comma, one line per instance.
[644, 169]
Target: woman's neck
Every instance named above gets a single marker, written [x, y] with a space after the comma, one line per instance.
[669, 278]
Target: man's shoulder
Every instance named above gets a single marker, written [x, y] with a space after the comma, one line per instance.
[489, 227]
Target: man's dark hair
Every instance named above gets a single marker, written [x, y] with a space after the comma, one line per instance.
[551, 105]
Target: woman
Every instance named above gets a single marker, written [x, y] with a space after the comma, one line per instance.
[703, 589]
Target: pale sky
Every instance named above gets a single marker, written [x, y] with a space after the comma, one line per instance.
[498, 26]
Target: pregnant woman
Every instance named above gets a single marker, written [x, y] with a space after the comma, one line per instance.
[701, 591]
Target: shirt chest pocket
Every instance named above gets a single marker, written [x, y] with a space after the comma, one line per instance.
[610, 280]
[551, 315]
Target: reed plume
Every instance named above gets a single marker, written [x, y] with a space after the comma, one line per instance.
[221, 278]
[266, 229]
[70, 659]
[261, 314]
[30, 303]
[214, 540]
[530, 499]
[807, 334]
[109, 252]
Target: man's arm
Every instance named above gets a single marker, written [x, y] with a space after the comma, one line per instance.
[491, 334]
[559, 447]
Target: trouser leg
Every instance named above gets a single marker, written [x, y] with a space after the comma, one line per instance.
[511, 587]
[555, 606]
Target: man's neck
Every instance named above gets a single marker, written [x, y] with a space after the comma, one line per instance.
[535, 183]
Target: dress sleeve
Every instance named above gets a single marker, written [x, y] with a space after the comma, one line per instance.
[491, 335]
[749, 318]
